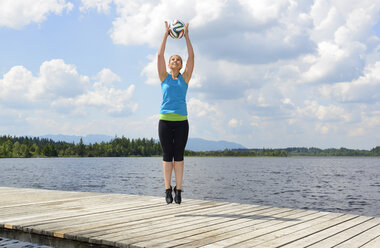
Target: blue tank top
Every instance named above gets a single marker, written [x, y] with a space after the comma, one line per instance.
[174, 95]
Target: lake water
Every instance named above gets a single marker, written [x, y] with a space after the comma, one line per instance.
[336, 184]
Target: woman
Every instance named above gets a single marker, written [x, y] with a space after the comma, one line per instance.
[173, 127]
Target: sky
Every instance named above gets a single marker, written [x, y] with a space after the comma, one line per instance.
[268, 73]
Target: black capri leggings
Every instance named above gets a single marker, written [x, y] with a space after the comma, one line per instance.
[173, 138]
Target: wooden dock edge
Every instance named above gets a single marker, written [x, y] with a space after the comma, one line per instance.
[42, 239]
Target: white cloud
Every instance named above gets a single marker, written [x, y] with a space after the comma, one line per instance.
[206, 119]
[142, 21]
[100, 5]
[139, 23]
[222, 79]
[357, 132]
[106, 76]
[326, 19]
[150, 71]
[206, 11]
[266, 96]
[322, 128]
[196, 81]
[60, 88]
[57, 78]
[344, 36]
[264, 11]
[330, 55]
[233, 123]
[19, 13]
[199, 109]
[314, 110]
[255, 121]
[365, 89]
[110, 100]
[246, 27]
[15, 85]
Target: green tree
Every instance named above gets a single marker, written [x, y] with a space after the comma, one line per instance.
[16, 152]
[283, 153]
[25, 151]
[375, 151]
[50, 151]
[81, 148]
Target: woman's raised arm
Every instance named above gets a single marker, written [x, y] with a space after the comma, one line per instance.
[161, 65]
[190, 59]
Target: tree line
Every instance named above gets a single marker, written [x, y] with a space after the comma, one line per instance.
[27, 147]
[302, 151]
[291, 151]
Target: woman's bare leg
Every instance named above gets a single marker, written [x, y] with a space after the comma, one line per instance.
[168, 168]
[178, 170]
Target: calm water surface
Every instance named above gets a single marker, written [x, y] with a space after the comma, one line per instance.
[350, 185]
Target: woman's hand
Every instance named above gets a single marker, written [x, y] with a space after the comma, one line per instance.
[186, 34]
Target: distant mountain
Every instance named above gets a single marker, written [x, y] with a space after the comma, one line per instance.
[193, 144]
[91, 138]
[197, 145]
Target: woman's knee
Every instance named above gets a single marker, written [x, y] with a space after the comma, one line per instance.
[179, 156]
[167, 157]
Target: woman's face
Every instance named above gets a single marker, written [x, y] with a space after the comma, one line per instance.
[175, 62]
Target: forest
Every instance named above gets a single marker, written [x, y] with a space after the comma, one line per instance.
[28, 147]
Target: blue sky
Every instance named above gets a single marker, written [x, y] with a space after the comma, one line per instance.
[267, 73]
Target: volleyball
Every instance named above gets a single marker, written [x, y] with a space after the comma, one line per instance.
[176, 29]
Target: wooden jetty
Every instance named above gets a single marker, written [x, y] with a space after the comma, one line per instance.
[81, 219]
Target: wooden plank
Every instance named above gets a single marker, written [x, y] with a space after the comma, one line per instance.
[67, 221]
[5, 192]
[71, 215]
[40, 204]
[87, 222]
[347, 234]
[375, 243]
[70, 220]
[238, 233]
[83, 203]
[267, 233]
[151, 222]
[31, 197]
[172, 225]
[327, 232]
[362, 238]
[113, 210]
[223, 228]
[303, 230]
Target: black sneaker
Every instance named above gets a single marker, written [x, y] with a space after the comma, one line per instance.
[177, 196]
[169, 197]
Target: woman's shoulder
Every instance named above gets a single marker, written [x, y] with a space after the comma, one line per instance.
[180, 76]
[165, 77]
